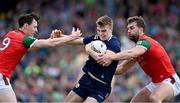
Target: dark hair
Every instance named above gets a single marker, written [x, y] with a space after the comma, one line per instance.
[104, 20]
[27, 18]
[139, 20]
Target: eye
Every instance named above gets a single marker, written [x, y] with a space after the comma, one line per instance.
[131, 27]
[104, 30]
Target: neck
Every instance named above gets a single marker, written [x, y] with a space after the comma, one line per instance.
[109, 37]
[22, 30]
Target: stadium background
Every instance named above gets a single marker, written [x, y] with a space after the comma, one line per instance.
[47, 75]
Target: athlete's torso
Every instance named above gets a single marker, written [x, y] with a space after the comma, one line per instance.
[11, 51]
[155, 61]
[103, 73]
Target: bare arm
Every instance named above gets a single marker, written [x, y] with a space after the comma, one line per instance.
[129, 54]
[56, 41]
[78, 41]
[96, 55]
[124, 66]
[124, 55]
[91, 52]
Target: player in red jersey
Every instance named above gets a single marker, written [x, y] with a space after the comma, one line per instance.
[16, 43]
[152, 58]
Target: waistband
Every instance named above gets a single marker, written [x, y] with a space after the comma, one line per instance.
[6, 79]
[95, 78]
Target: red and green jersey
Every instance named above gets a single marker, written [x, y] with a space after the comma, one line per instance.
[15, 44]
[155, 61]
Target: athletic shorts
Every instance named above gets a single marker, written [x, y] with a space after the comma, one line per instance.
[88, 87]
[173, 81]
[4, 83]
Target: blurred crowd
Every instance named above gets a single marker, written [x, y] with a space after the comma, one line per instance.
[47, 75]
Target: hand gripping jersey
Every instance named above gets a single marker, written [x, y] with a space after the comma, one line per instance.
[155, 61]
[15, 44]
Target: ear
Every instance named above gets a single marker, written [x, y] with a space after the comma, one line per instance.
[141, 30]
[26, 25]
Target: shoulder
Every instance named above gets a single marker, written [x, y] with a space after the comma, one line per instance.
[144, 42]
[15, 33]
[114, 44]
[87, 39]
[28, 41]
[115, 40]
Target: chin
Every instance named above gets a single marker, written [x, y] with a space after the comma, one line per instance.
[103, 39]
[134, 39]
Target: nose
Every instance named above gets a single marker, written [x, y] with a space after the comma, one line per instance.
[36, 30]
[128, 30]
[100, 32]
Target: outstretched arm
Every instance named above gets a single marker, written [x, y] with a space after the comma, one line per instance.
[56, 41]
[124, 55]
[129, 54]
[78, 41]
[141, 47]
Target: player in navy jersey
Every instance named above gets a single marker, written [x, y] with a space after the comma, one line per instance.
[95, 84]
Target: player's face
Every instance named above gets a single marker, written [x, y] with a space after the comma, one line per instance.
[32, 28]
[133, 31]
[105, 32]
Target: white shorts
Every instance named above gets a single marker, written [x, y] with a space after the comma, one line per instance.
[176, 85]
[4, 83]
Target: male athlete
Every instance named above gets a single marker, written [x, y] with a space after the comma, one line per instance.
[152, 58]
[95, 85]
[16, 43]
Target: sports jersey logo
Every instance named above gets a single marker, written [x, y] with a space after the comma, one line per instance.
[102, 76]
[77, 85]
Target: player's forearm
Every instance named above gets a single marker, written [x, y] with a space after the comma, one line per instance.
[53, 42]
[60, 41]
[78, 41]
[124, 66]
[93, 54]
[120, 70]
[124, 55]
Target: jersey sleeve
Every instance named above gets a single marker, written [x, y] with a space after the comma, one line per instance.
[144, 43]
[88, 39]
[28, 41]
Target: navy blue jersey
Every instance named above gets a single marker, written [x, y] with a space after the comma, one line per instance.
[103, 73]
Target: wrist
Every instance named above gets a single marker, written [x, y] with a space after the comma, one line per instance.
[73, 37]
[111, 57]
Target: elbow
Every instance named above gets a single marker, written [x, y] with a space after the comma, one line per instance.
[135, 55]
[132, 55]
[119, 70]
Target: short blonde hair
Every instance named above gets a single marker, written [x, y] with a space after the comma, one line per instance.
[104, 20]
